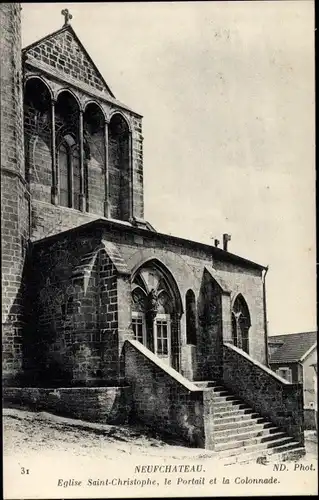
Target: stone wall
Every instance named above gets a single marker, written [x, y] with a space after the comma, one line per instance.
[186, 263]
[14, 196]
[95, 172]
[62, 344]
[138, 176]
[310, 378]
[109, 405]
[38, 163]
[108, 317]
[64, 55]
[248, 282]
[208, 420]
[48, 219]
[162, 398]
[210, 335]
[267, 393]
[310, 416]
[79, 313]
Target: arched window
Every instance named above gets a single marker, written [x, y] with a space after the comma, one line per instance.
[241, 323]
[37, 138]
[96, 181]
[69, 173]
[119, 168]
[190, 318]
[156, 309]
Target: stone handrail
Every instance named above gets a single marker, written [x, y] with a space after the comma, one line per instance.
[162, 398]
[270, 395]
[163, 366]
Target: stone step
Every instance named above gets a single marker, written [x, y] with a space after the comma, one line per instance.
[212, 384]
[234, 418]
[206, 383]
[279, 454]
[241, 434]
[243, 426]
[248, 432]
[233, 412]
[230, 408]
[221, 391]
[250, 441]
[278, 444]
[225, 398]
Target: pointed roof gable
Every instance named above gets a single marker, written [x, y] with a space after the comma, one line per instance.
[64, 52]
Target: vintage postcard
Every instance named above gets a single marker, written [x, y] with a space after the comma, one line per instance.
[159, 327]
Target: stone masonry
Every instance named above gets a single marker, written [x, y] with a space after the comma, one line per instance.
[64, 54]
[95, 312]
[56, 60]
[14, 192]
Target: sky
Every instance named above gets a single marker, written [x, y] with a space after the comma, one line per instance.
[226, 90]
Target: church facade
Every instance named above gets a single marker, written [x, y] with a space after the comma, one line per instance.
[100, 311]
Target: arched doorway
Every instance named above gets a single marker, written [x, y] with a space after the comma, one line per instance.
[156, 311]
[38, 138]
[94, 144]
[119, 168]
[241, 323]
[67, 112]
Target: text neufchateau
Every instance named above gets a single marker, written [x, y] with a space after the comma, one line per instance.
[166, 469]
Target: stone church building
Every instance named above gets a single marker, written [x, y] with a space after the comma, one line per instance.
[103, 317]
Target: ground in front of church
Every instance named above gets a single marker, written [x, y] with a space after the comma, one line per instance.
[32, 433]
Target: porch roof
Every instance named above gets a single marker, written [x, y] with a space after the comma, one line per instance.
[113, 225]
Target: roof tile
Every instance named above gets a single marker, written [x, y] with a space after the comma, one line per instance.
[291, 347]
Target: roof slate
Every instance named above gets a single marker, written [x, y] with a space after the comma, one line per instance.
[109, 224]
[291, 347]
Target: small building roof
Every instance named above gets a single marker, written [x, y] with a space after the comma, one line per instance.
[111, 224]
[291, 347]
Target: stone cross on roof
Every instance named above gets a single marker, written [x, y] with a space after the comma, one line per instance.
[67, 16]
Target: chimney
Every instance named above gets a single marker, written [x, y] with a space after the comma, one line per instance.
[226, 239]
[216, 242]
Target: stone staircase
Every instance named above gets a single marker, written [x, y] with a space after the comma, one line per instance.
[242, 435]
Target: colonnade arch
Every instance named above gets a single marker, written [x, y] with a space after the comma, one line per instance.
[156, 311]
[241, 323]
[85, 156]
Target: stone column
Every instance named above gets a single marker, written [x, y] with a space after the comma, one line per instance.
[55, 178]
[124, 315]
[106, 171]
[82, 195]
[130, 151]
